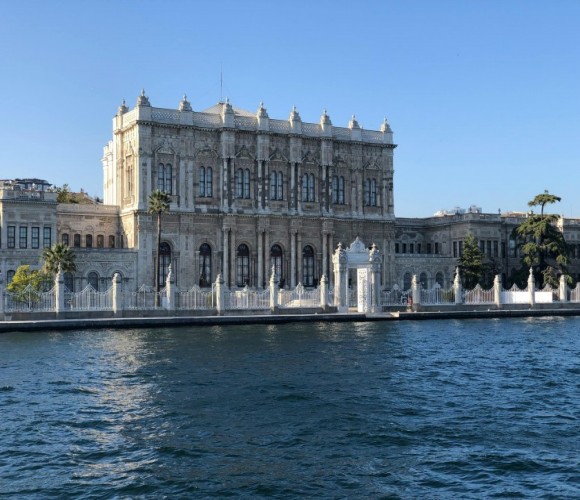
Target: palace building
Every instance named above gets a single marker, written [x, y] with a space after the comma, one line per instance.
[248, 193]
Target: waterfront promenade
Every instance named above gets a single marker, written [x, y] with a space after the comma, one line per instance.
[268, 319]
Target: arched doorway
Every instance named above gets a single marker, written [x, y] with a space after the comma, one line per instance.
[164, 261]
[276, 259]
[205, 278]
[243, 265]
[308, 266]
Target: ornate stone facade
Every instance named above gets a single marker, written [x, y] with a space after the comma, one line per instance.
[248, 193]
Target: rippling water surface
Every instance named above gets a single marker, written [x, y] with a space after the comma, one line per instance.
[436, 409]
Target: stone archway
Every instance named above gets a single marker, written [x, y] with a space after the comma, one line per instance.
[367, 264]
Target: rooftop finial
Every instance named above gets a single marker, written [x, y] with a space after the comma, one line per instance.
[294, 115]
[122, 108]
[143, 100]
[385, 127]
[353, 123]
[184, 105]
[325, 119]
[262, 113]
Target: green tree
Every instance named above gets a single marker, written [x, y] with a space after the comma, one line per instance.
[60, 255]
[27, 284]
[158, 204]
[64, 195]
[470, 263]
[542, 244]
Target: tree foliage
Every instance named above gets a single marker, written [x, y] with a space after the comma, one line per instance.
[27, 284]
[470, 263]
[158, 204]
[60, 255]
[542, 244]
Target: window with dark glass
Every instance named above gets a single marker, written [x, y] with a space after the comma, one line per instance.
[10, 276]
[407, 281]
[111, 241]
[428, 247]
[35, 237]
[23, 240]
[396, 248]
[276, 260]
[69, 282]
[77, 240]
[423, 280]
[205, 278]
[201, 186]
[93, 279]
[496, 248]
[338, 190]
[308, 190]
[89, 241]
[100, 241]
[205, 188]
[164, 262]
[64, 239]
[436, 248]
[164, 177]
[242, 265]
[47, 237]
[370, 193]
[308, 266]
[439, 279]
[276, 186]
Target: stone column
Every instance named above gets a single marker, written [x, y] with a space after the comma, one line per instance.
[117, 298]
[457, 289]
[324, 292]
[299, 256]
[260, 235]
[331, 247]
[59, 291]
[340, 264]
[532, 288]
[274, 290]
[219, 292]
[170, 289]
[324, 252]
[293, 259]
[497, 291]
[563, 290]
[226, 255]
[292, 194]
[375, 259]
[266, 256]
[416, 291]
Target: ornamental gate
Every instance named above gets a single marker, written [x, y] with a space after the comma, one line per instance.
[367, 264]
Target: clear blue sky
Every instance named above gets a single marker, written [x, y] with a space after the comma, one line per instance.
[483, 96]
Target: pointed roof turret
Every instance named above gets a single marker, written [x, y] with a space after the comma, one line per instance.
[325, 119]
[122, 108]
[262, 113]
[353, 123]
[294, 115]
[143, 100]
[184, 104]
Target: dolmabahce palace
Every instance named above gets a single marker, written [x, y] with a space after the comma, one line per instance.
[249, 194]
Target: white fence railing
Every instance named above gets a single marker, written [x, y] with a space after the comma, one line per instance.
[247, 299]
[395, 297]
[479, 296]
[89, 299]
[144, 298]
[299, 297]
[29, 300]
[437, 295]
[196, 298]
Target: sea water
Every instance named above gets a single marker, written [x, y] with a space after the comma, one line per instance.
[426, 409]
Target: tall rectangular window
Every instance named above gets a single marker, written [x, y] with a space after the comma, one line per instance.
[111, 241]
[503, 249]
[460, 248]
[428, 247]
[47, 237]
[436, 248]
[489, 248]
[496, 248]
[454, 249]
[418, 247]
[23, 240]
[35, 237]
[11, 237]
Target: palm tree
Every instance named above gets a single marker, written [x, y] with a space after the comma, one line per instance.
[158, 204]
[60, 256]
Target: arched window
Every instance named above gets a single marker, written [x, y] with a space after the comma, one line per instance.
[10, 276]
[208, 182]
[69, 282]
[89, 241]
[100, 241]
[239, 183]
[164, 261]
[338, 190]
[407, 281]
[164, 176]
[308, 266]
[77, 240]
[246, 183]
[93, 279]
[276, 186]
[111, 241]
[205, 278]
[370, 193]
[276, 261]
[243, 265]
[201, 188]
[64, 238]
[423, 280]
[308, 190]
[439, 279]
[205, 188]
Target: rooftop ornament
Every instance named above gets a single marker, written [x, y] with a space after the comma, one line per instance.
[184, 104]
[143, 100]
[294, 115]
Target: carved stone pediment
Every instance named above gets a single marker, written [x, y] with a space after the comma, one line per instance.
[244, 153]
[372, 164]
[277, 156]
[310, 157]
[205, 150]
